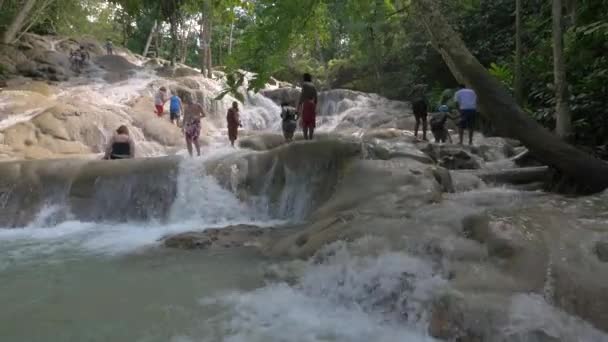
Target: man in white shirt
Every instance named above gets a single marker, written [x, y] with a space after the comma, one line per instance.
[467, 104]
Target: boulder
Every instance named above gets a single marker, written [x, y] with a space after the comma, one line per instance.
[280, 95]
[115, 64]
[452, 157]
[184, 72]
[213, 238]
[601, 250]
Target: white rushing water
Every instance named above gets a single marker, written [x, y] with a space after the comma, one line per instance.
[69, 280]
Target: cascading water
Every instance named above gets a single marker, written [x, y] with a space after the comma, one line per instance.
[81, 259]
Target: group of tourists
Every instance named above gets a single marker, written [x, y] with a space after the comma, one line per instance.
[187, 115]
[466, 100]
[80, 56]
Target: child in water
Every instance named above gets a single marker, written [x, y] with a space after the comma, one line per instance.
[290, 121]
[438, 121]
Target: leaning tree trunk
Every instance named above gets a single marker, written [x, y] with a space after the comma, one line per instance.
[589, 173]
[519, 88]
[209, 55]
[13, 29]
[149, 40]
[563, 116]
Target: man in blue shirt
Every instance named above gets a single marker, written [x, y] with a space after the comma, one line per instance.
[175, 109]
[467, 104]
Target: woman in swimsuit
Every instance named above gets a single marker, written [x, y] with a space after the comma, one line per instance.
[121, 146]
[193, 113]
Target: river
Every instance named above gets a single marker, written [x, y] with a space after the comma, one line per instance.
[83, 258]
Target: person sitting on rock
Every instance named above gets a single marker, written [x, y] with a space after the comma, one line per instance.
[234, 122]
[438, 121]
[290, 121]
[84, 54]
[159, 101]
[121, 146]
[307, 107]
[109, 47]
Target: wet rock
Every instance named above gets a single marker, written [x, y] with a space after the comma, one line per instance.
[189, 83]
[601, 250]
[476, 227]
[228, 237]
[115, 63]
[452, 157]
[280, 95]
[444, 178]
[183, 72]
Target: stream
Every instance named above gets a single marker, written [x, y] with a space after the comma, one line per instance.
[84, 260]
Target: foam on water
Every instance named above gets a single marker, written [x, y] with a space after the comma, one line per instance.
[349, 297]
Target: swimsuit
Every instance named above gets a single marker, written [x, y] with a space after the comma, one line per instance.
[121, 150]
[193, 130]
[309, 114]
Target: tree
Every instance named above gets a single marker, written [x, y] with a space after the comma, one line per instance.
[589, 173]
[18, 21]
[563, 116]
[518, 86]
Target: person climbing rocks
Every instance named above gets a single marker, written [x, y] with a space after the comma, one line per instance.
[234, 122]
[159, 101]
[193, 113]
[79, 58]
[467, 104]
[438, 121]
[109, 47]
[420, 108]
[289, 115]
[307, 107]
[175, 109]
[120, 146]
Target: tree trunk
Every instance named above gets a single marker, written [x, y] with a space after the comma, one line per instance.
[174, 40]
[202, 49]
[563, 116]
[519, 89]
[589, 173]
[208, 35]
[149, 40]
[230, 39]
[13, 29]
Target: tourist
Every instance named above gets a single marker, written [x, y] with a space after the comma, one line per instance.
[109, 47]
[193, 113]
[307, 107]
[175, 109]
[290, 121]
[420, 108]
[159, 101]
[438, 128]
[467, 104]
[234, 122]
[121, 146]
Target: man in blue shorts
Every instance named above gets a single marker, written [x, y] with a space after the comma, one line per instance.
[175, 109]
[467, 104]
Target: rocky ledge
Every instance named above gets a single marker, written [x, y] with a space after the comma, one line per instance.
[221, 238]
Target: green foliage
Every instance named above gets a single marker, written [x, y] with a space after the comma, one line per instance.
[234, 83]
[503, 73]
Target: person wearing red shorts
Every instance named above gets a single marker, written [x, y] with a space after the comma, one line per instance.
[159, 101]
[307, 107]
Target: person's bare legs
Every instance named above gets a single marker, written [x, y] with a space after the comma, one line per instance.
[470, 137]
[460, 135]
[311, 132]
[305, 131]
[189, 146]
[231, 142]
[416, 127]
[424, 127]
[197, 145]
